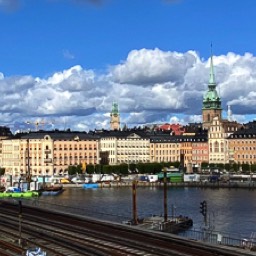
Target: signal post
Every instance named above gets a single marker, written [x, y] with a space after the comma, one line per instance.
[203, 211]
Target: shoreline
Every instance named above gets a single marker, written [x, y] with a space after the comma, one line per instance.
[203, 185]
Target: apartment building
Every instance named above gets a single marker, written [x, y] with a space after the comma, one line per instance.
[48, 153]
[242, 146]
[51, 153]
[125, 146]
[218, 132]
[164, 148]
[200, 151]
[5, 133]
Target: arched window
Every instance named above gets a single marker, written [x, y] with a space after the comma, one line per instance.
[208, 117]
[216, 147]
[222, 147]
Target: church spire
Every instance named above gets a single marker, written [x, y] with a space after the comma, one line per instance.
[115, 108]
[212, 76]
[114, 117]
[211, 100]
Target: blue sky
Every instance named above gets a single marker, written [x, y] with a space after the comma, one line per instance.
[66, 61]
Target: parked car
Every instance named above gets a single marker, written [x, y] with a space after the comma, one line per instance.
[37, 251]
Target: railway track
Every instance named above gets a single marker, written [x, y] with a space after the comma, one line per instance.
[63, 234]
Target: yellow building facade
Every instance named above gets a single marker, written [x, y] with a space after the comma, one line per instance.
[48, 153]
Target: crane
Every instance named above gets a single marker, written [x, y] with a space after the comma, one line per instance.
[38, 123]
[43, 122]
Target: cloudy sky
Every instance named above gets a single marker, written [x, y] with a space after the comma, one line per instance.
[63, 62]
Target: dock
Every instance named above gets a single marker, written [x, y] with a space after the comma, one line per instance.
[173, 225]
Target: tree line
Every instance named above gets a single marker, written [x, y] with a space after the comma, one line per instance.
[153, 168]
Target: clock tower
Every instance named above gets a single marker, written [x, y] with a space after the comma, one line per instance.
[114, 117]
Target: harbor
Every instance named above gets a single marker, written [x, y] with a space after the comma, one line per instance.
[230, 212]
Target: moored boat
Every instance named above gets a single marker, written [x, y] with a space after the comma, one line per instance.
[52, 190]
[14, 192]
[90, 185]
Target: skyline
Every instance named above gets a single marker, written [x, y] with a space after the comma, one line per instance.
[64, 62]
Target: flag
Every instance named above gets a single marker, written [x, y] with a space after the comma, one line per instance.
[84, 166]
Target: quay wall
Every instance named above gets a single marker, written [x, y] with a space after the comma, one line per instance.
[230, 185]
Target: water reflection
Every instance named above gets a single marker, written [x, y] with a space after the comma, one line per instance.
[230, 211]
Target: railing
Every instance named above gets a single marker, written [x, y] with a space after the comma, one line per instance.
[214, 237]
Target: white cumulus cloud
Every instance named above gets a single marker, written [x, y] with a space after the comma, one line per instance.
[150, 86]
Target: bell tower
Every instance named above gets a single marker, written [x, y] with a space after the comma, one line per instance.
[114, 117]
[211, 102]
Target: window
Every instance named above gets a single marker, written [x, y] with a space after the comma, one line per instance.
[216, 147]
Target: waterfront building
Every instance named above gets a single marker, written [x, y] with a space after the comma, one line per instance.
[200, 151]
[114, 117]
[193, 150]
[5, 133]
[186, 151]
[48, 153]
[211, 101]
[218, 132]
[242, 146]
[190, 150]
[131, 146]
[164, 148]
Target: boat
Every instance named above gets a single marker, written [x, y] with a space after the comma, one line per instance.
[14, 192]
[90, 185]
[52, 190]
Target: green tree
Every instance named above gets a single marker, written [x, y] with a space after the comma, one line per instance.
[2, 171]
[236, 167]
[227, 167]
[220, 166]
[204, 165]
[90, 169]
[72, 170]
[245, 167]
[253, 168]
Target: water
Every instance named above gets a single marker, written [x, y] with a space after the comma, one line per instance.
[230, 212]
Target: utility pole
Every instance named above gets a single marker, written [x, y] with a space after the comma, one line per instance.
[134, 201]
[20, 217]
[165, 196]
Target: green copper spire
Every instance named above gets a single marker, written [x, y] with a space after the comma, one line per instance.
[211, 98]
[212, 76]
[114, 109]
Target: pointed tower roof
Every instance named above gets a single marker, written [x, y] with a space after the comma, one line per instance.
[212, 76]
[114, 110]
[211, 98]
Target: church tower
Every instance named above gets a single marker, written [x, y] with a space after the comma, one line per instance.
[114, 117]
[211, 102]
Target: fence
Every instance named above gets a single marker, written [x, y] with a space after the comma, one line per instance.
[217, 238]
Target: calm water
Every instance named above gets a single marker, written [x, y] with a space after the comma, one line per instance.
[231, 211]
